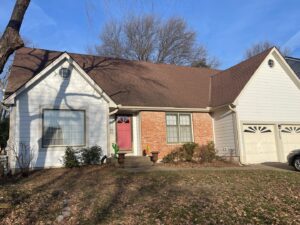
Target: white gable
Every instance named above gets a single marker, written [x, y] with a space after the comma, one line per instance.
[272, 94]
[63, 61]
[51, 91]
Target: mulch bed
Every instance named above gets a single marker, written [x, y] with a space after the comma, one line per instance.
[200, 165]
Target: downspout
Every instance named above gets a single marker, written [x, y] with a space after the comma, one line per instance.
[232, 108]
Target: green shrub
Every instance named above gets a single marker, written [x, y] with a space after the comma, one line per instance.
[91, 155]
[184, 153]
[70, 158]
[171, 157]
[207, 153]
[188, 150]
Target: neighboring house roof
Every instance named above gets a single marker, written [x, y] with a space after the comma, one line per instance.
[136, 83]
[294, 63]
[227, 84]
[129, 83]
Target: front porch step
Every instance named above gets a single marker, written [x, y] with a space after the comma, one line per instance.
[137, 161]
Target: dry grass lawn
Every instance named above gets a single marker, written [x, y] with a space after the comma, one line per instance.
[109, 196]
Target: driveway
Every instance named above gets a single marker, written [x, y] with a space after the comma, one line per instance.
[273, 166]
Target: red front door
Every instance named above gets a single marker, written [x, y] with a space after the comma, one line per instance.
[124, 136]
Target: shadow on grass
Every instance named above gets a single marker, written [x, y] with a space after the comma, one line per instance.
[109, 196]
[134, 197]
[18, 194]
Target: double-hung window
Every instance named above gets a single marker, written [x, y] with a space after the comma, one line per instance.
[63, 127]
[179, 127]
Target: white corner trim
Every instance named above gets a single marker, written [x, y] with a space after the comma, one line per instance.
[63, 56]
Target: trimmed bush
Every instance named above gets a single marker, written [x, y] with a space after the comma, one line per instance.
[171, 157]
[70, 158]
[188, 150]
[92, 155]
[207, 153]
[192, 152]
[184, 153]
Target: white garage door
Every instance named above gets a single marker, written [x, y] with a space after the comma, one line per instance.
[259, 143]
[290, 136]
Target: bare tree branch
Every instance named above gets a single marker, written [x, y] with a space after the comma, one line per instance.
[11, 39]
[23, 154]
[112, 41]
[148, 38]
[176, 42]
[140, 33]
[262, 46]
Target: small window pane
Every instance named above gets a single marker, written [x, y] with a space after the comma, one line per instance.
[172, 134]
[185, 134]
[185, 120]
[171, 119]
[63, 127]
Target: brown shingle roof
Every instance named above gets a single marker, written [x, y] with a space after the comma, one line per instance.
[227, 84]
[130, 83]
[134, 83]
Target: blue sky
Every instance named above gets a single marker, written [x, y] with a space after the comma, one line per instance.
[225, 27]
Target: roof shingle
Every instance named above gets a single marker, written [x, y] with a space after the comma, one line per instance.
[227, 85]
[130, 83]
[136, 83]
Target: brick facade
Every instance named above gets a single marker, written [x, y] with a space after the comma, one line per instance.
[154, 134]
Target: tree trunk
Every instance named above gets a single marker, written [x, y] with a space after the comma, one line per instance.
[11, 39]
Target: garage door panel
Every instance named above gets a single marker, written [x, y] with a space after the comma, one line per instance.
[259, 143]
[290, 137]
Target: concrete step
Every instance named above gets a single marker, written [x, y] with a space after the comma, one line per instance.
[137, 158]
[133, 161]
[137, 161]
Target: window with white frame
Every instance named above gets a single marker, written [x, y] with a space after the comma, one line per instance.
[179, 127]
[63, 127]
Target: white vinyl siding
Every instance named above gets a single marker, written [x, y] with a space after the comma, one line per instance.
[224, 135]
[271, 95]
[54, 92]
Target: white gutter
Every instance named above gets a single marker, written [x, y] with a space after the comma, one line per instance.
[5, 107]
[115, 111]
[146, 108]
[232, 107]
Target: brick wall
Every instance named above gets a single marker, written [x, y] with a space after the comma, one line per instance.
[154, 134]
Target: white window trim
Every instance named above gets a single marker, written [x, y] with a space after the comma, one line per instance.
[63, 109]
[178, 125]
